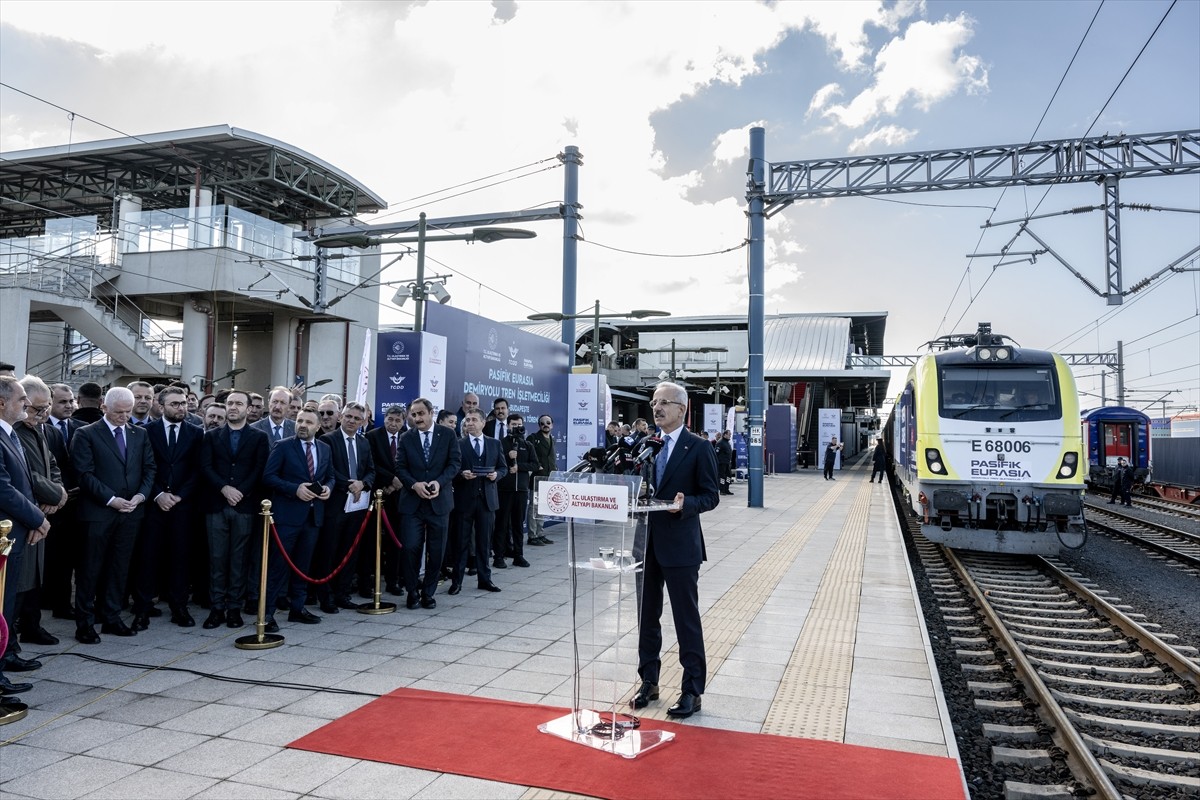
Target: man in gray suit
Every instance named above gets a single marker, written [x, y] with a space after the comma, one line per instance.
[276, 424]
[115, 468]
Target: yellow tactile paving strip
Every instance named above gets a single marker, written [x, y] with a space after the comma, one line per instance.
[727, 620]
[805, 705]
[814, 692]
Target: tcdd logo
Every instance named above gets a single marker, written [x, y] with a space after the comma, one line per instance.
[397, 347]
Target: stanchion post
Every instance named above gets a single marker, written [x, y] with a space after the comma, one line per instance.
[10, 710]
[377, 607]
[261, 640]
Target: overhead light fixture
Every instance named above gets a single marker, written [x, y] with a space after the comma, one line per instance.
[439, 293]
[583, 350]
[401, 296]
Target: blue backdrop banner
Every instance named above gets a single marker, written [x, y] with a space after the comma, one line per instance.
[494, 360]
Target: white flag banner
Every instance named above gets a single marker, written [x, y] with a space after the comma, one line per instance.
[364, 370]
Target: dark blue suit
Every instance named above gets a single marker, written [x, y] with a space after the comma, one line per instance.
[475, 503]
[17, 505]
[340, 528]
[296, 521]
[168, 533]
[110, 534]
[230, 528]
[423, 522]
[674, 552]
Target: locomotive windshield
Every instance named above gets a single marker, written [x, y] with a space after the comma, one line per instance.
[990, 394]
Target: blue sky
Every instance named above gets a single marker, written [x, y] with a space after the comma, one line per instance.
[411, 98]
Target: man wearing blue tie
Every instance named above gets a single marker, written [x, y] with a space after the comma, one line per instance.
[476, 500]
[426, 463]
[686, 476]
[300, 475]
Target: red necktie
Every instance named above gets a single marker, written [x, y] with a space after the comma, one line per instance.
[308, 455]
[393, 448]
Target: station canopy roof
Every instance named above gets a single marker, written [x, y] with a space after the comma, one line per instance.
[262, 175]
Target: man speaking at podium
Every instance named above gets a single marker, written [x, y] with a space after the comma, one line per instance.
[685, 472]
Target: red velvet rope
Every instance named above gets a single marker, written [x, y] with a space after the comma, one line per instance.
[387, 524]
[291, 565]
[3, 621]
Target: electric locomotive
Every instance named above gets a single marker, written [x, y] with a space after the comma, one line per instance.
[986, 444]
[1112, 432]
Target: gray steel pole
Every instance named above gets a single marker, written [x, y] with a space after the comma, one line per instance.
[571, 162]
[419, 298]
[1120, 373]
[755, 322]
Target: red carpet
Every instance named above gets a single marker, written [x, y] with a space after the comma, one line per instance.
[499, 741]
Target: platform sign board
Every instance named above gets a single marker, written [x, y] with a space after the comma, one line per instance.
[586, 415]
[713, 418]
[493, 360]
[409, 365]
[829, 424]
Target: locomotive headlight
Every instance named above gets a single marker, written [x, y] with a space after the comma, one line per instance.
[1070, 463]
[933, 460]
[1003, 353]
[984, 354]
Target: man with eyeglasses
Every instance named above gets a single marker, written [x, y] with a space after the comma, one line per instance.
[542, 441]
[685, 472]
[51, 496]
[328, 413]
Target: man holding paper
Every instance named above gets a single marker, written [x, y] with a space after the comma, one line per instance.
[353, 477]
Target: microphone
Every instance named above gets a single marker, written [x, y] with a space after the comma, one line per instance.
[648, 450]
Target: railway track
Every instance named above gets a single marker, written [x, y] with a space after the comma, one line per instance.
[1173, 543]
[1078, 694]
[1189, 511]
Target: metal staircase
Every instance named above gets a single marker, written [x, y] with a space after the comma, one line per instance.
[77, 292]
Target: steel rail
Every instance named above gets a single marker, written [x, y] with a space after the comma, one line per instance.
[1083, 763]
[1183, 666]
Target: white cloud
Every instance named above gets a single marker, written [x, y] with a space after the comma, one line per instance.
[843, 25]
[925, 64]
[822, 97]
[734, 144]
[888, 136]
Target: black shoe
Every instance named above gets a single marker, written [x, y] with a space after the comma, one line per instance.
[216, 618]
[499, 563]
[646, 692]
[367, 593]
[303, 615]
[685, 706]
[153, 611]
[455, 588]
[140, 622]
[117, 628]
[14, 663]
[86, 634]
[348, 604]
[329, 608]
[7, 687]
[271, 625]
[182, 618]
[413, 601]
[520, 561]
[40, 636]
[544, 540]
[536, 542]
[428, 602]
[488, 586]
[392, 589]
[234, 620]
[472, 571]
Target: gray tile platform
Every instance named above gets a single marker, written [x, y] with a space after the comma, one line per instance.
[109, 731]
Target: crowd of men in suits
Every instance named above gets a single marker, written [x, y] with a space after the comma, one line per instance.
[146, 494]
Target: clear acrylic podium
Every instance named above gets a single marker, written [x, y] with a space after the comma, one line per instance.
[606, 540]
